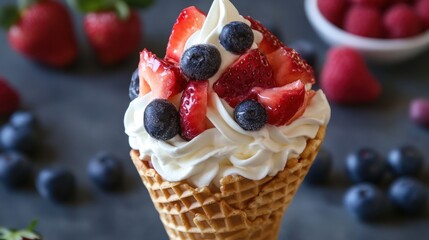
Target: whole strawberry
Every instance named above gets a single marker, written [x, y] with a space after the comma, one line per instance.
[112, 27]
[41, 30]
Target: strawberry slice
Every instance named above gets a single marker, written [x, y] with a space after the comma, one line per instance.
[193, 109]
[250, 70]
[269, 43]
[284, 104]
[288, 66]
[189, 21]
[160, 76]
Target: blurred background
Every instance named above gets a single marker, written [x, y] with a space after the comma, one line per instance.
[80, 110]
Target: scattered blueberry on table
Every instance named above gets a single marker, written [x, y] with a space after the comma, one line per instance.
[409, 195]
[406, 161]
[56, 184]
[365, 201]
[15, 170]
[106, 171]
[321, 169]
[366, 165]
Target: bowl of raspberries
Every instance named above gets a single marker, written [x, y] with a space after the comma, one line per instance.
[384, 31]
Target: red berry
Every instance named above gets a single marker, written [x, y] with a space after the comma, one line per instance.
[112, 38]
[193, 109]
[45, 34]
[401, 21]
[9, 98]
[288, 66]
[160, 76]
[269, 43]
[189, 21]
[346, 79]
[419, 111]
[372, 3]
[250, 70]
[283, 104]
[365, 21]
[422, 9]
[333, 10]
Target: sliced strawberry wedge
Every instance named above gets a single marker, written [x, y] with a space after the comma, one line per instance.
[250, 70]
[288, 66]
[193, 109]
[284, 104]
[160, 76]
[189, 21]
[269, 43]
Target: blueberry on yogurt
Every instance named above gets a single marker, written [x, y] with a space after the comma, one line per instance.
[161, 120]
[250, 115]
[200, 62]
[236, 37]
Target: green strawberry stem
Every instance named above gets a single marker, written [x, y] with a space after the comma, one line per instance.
[122, 7]
[11, 234]
[9, 15]
[122, 10]
[24, 4]
[139, 3]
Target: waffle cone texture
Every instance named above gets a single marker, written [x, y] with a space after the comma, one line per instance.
[239, 209]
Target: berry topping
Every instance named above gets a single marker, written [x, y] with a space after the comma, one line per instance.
[250, 70]
[366, 165]
[189, 21]
[134, 89]
[401, 21]
[106, 171]
[160, 76]
[161, 119]
[346, 79]
[250, 115]
[193, 109]
[320, 169]
[200, 62]
[288, 66]
[269, 43]
[56, 184]
[365, 21]
[236, 37]
[406, 161]
[408, 195]
[333, 10]
[365, 201]
[419, 111]
[15, 170]
[9, 98]
[283, 104]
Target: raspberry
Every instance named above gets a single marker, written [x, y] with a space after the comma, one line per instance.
[422, 9]
[373, 3]
[401, 21]
[333, 10]
[365, 21]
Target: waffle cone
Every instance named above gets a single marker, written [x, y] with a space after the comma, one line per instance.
[239, 209]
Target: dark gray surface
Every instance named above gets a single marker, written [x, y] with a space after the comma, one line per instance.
[82, 110]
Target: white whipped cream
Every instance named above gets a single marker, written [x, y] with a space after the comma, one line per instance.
[220, 14]
[226, 149]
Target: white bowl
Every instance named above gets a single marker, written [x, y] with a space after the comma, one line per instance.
[375, 50]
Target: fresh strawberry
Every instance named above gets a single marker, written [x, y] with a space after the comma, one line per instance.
[333, 10]
[250, 70]
[9, 98]
[43, 31]
[160, 76]
[193, 109]
[401, 21]
[189, 21]
[422, 9]
[346, 79]
[284, 104]
[113, 39]
[365, 21]
[269, 43]
[288, 66]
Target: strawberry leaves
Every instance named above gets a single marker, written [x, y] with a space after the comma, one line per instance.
[26, 234]
[9, 15]
[122, 7]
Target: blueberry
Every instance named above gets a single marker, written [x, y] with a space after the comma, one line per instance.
[250, 115]
[134, 85]
[306, 50]
[106, 171]
[15, 170]
[56, 184]
[236, 37]
[23, 119]
[406, 161]
[365, 201]
[321, 168]
[366, 165]
[200, 62]
[21, 139]
[161, 120]
[408, 195]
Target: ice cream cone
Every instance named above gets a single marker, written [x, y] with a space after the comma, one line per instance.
[239, 209]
